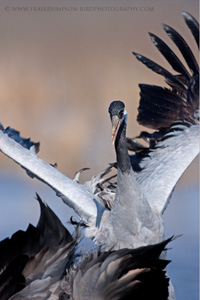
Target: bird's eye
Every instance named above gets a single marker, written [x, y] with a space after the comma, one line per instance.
[121, 112]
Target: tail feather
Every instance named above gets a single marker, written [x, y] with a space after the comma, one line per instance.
[121, 274]
[32, 261]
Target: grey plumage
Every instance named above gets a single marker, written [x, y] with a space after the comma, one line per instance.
[128, 214]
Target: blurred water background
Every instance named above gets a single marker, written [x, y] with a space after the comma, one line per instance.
[60, 69]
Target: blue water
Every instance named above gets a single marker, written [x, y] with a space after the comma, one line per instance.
[182, 217]
[18, 208]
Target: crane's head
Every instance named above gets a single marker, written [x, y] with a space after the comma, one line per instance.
[118, 114]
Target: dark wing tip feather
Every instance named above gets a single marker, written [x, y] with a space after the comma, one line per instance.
[172, 80]
[183, 47]
[160, 107]
[137, 55]
[193, 25]
[170, 56]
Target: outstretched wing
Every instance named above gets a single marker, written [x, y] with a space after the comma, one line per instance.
[75, 195]
[165, 163]
[174, 113]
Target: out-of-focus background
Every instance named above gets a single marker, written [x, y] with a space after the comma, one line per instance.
[61, 64]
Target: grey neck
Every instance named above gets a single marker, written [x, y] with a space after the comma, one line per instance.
[121, 148]
[131, 215]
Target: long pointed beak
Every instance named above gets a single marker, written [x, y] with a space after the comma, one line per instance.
[115, 127]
